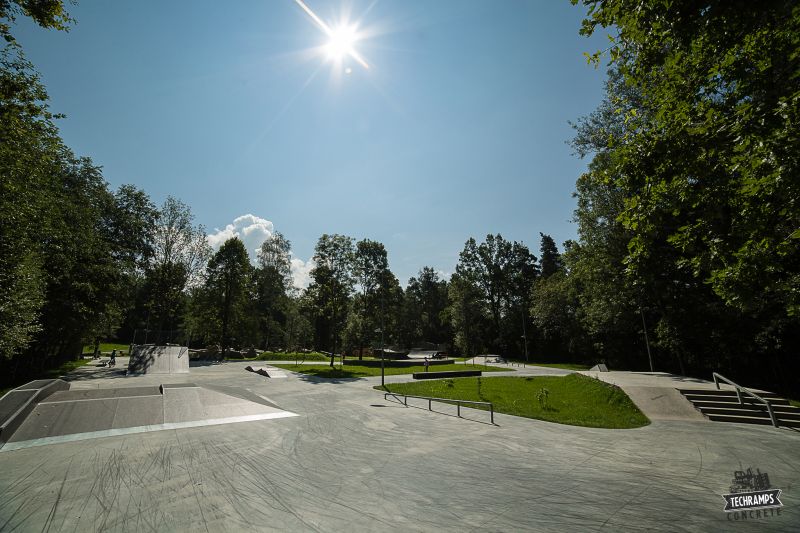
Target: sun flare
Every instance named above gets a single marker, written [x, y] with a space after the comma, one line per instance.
[342, 39]
[341, 42]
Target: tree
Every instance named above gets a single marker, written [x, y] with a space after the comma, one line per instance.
[715, 164]
[370, 264]
[273, 280]
[228, 285]
[180, 254]
[332, 285]
[425, 303]
[498, 269]
[550, 259]
[703, 156]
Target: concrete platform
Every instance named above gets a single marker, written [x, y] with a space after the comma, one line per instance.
[354, 462]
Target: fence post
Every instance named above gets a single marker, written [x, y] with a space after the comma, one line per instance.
[429, 404]
[491, 412]
[458, 405]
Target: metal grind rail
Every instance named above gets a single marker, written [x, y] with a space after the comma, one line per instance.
[443, 400]
[740, 389]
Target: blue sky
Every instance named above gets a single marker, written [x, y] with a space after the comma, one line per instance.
[457, 129]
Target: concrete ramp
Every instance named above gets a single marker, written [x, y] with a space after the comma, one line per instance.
[71, 415]
[154, 359]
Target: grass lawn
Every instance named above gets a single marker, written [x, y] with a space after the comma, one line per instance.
[106, 347]
[575, 399]
[53, 373]
[357, 371]
[291, 356]
[794, 402]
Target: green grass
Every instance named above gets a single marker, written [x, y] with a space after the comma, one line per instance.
[358, 371]
[794, 403]
[65, 368]
[106, 347]
[291, 356]
[53, 373]
[576, 400]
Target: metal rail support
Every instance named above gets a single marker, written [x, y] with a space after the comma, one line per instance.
[451, 401]
[740, 389]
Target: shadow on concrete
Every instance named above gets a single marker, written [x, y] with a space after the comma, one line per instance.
[673, 377]
[316, 380]
[100, 373]
[204, 362]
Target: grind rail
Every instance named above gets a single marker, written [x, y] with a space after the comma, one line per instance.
[443, 400]
[740, 390]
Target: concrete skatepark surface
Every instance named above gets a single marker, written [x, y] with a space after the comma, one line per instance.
[352, 461]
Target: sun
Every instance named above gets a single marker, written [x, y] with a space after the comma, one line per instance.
[342, 40]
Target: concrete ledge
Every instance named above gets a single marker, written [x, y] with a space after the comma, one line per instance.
[447, 374]
[17, 404]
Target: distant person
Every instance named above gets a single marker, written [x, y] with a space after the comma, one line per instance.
[113, 360]
[426, 364]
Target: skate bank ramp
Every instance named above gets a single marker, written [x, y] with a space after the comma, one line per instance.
[70, 415]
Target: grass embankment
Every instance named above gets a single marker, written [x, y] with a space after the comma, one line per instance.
[53, 373]
[358, 371]
[106, 347]
[291, 356]
[575, 400]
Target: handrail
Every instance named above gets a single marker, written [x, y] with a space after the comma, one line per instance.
[444, 400]
[740, 389]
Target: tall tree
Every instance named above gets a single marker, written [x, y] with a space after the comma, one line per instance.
[704, 159]
[332, 285]
[273, 282]
[497, 268]
[228, 283]
[550, 259]
[180, 254]
[370, 264]
[424, 308]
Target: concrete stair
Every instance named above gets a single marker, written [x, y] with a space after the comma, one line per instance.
[724, 406]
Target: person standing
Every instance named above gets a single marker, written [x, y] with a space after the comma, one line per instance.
[426, 364]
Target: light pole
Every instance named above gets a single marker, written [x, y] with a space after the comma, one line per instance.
[525, 338]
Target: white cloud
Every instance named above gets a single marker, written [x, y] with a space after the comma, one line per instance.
[253, 231]
[301, 272]
[250, 229]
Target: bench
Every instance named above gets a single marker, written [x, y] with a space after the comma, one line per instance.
[447, 374]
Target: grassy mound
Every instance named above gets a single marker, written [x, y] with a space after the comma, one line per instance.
[291, 356]
[576, 400]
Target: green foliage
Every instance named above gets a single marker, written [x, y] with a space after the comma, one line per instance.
[687, 212]
[543, 397]
[497, 274]
[575, 399]
[424, 317]
[228, 292]
[291, 356]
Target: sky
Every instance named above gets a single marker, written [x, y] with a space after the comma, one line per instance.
[457, 129]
